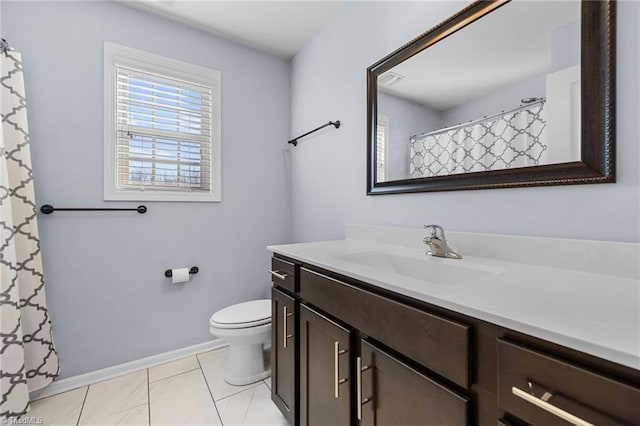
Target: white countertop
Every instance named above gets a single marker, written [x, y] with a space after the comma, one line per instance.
[595, 313]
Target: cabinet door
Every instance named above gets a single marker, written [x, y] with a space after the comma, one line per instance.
[390, 393]
[324, 371]
[283, 349]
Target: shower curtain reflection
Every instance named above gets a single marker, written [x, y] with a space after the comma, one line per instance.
[515, 139]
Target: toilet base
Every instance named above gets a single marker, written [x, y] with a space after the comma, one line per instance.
[245, 364]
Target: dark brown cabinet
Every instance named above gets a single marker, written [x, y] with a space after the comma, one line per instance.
[325, 376]
[283, 274]
[541, 389]
[390, 393]
[345, 352]
[283, 353]
[419, 335]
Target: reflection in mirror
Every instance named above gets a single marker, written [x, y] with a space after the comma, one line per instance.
[502, 93]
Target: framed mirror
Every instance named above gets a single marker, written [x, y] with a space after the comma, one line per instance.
[502, 94]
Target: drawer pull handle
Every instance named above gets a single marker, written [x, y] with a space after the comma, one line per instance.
[336, 368]
[279, 274]
[542, 403]
[359, 370]
[285, 335]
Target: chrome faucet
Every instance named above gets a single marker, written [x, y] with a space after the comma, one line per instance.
[437, 243]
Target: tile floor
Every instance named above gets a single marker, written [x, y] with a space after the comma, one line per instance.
[189, 391]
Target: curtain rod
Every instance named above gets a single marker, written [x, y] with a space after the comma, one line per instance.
[5, 46]
[336, 124]
[532, 102]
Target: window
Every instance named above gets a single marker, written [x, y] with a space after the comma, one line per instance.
[162, 128]
[382, 136]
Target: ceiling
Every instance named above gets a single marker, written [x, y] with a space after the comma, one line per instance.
[281, 28]
[507, 46]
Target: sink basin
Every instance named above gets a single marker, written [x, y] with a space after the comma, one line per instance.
[436, 270]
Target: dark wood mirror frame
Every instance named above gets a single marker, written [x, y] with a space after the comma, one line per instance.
[598, 118]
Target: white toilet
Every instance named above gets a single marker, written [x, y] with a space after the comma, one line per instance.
[247, 328]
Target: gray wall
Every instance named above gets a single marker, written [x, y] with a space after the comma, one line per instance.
[565, 52]
[565, 46]
[406, 118]
[364, 32]
[108, 298]
[503, 99]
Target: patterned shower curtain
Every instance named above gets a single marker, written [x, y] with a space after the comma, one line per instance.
[28, 359]
[515, 139]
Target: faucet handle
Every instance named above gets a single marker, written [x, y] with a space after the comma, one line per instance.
[436, 231]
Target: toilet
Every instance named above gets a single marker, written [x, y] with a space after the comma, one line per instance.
[247, 328]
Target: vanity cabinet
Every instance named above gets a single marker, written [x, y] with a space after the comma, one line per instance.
[388, 392]
[358, 354]
[439, 343]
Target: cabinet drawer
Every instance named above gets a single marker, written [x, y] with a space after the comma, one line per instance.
[541, 390]
[439, 344]
[283, 274]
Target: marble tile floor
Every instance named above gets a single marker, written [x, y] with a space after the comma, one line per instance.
[188, 391]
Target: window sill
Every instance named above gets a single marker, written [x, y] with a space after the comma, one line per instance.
[169, 196]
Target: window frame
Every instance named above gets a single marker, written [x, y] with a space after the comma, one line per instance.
[115, 53]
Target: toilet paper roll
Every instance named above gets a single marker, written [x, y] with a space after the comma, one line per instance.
[179, 275]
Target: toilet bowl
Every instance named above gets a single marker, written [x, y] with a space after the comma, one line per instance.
[247, 328]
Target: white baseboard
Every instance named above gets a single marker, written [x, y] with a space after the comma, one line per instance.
[70, 383]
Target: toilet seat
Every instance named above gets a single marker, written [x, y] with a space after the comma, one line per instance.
[243, 315]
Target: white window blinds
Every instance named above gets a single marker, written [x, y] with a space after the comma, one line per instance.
[164, 129]
[382, 130]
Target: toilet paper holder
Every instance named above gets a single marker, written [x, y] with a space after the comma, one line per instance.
[193, 270]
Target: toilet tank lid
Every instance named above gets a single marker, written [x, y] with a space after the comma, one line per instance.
[241, 313]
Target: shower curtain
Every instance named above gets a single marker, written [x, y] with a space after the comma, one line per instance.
[28, 359]
[515, 139]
